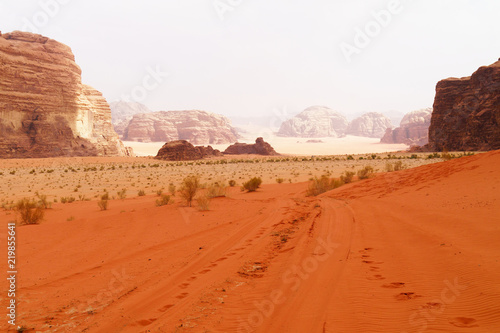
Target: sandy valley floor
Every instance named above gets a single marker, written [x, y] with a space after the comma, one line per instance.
[409, 251]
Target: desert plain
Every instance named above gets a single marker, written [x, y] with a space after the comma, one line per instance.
[414, 250]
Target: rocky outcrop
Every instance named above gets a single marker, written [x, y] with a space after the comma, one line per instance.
[371, 125]
[315, 122]
[466, 112]
[45, 110]
[122, 112]
[413, 129]
[182, 150]
[260, 147]
[197, 127]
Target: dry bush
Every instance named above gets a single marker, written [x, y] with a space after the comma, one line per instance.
[163, 201]
[252, 185]
[347, 177]
[43, 201]
[232, 183]
[171, 189]
[389, 167]
[189, 187]
[216, 190]
[279, 180]
[103, 204]
[322, 185]
[30, 211]
[122, 194]
[141, 193]
[203, 202]
[366, 172]
[399, 165]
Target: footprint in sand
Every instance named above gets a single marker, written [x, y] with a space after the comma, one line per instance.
[376, 277]
[205, 271]
[184, 285]
[146, 322]
[406, 296]
[182, 296]
[464, 322]
[192, 278]
[394, 285]
[166, 307]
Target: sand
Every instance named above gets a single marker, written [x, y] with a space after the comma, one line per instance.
[409, 251]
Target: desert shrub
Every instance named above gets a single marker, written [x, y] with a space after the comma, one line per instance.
[171, 189]
[279, 180]
[252, 185]
[141, 193]
[366, 172]
[347, 177]
[105, 196]
[399, 166]
[389, 167]
[322, 185]
[42, 201]
[203, 202]
[122, 194]
[232, 183]
[159, 192]
[350, 157]
[103, 204]
[163, 201]
[189, 187]
[30, 211]
[217, 189]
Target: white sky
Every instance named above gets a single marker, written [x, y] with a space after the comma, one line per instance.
[267, 54]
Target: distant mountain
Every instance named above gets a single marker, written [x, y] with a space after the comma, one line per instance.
[197, 127]
[413, 129]
[371, 125]
[315, 122]
[122, 112]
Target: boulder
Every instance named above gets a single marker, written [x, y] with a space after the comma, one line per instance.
[260, 147]
[182, 150]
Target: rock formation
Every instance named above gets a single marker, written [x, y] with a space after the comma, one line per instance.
[315, 122]
[371, 125]
[182, 150]
[122, 112]
[467, 112]
[197, 127]
[413, 129]
[45, 110]
[260, 147]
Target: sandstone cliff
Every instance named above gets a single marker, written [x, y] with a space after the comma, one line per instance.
[371, 125]
[182, 150]
[197, 127]
[467, 112]
[413, 130]
[122, 112]
[45, 110]
[260, 147]
[315, 122]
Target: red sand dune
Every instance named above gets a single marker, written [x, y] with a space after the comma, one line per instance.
[410, 251]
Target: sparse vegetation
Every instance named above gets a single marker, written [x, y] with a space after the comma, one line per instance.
[141, 193]
[122, 194]
[366, 172]
[252, 185]
[103, 204]
[163, 201]
[217, 189]
[189, 187]
[322, 185]
[171, 189]
[203, 202]
[279, 180]
[30, 211]
[347, 177]
[232, 183]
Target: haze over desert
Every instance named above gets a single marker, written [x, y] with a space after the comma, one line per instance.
[247, 166]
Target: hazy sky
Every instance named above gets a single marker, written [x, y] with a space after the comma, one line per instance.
[256, 57]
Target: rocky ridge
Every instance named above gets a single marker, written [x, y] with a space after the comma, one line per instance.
[413, 129]
[182, 150]
[260, 147]
[315, 122]
[466, 112]
[45, 110]
[197, 127]
[371, 125]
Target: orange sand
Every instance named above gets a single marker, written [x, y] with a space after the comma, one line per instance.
[409, 251]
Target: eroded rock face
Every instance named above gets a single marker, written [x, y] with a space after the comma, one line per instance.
[371, 125]
[467, 112]
[315, 122]
[197, 127]
[45, 110]
[182, 150]
[413, 129]
[122, 112]
[260, 147]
